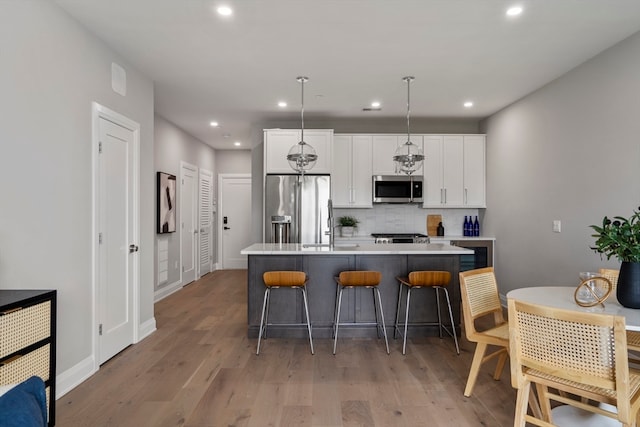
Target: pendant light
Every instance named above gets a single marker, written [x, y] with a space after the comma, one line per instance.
[408, 157]
[302, 157]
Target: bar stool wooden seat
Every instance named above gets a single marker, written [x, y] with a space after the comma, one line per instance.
[277, 280]
[437, 280]
[359, 279]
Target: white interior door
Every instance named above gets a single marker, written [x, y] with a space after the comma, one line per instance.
[235, 218]
[206, 221]
[117, 235]
[188, 221]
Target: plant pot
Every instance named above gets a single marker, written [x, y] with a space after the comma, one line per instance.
[346, 231]
[628, 288]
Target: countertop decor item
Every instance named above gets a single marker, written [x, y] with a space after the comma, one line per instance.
[347, 224]
[408, 157]
[302, 157]
[620, 237]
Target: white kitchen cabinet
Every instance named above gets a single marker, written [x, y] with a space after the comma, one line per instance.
[351, 181]
[278, 142]
[454, 171]
[384, 147]
[475, 171]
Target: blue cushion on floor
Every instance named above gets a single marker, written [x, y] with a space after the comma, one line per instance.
[25, 405]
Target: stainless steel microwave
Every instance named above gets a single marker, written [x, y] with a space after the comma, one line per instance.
[397, 189]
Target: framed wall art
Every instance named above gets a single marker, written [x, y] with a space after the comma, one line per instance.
[166, 199]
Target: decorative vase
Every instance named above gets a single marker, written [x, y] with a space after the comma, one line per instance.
[628, 288]
[346, 231]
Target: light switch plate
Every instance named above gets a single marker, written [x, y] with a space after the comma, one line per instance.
[556, 225]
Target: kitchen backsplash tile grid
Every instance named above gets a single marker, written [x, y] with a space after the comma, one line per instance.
[407, 218]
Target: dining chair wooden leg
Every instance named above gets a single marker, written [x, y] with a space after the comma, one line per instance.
[522, 400]
[478, 356]
[542, 405]
[502, 360]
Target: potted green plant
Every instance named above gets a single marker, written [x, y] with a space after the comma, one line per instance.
[619, 237]
[347, 225]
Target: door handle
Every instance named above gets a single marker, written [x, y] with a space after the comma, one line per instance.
[227, 228]
[133, 248]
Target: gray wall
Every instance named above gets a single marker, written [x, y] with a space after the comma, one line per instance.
[569, 151]
[173, 145]
[52, 70]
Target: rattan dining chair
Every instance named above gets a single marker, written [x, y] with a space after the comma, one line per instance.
[480, 298]
[633, 337]
[568, 352]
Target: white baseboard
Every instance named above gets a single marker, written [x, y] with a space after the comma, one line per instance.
[71, 378]
[166, 291]
[503, 300]
[146, 329]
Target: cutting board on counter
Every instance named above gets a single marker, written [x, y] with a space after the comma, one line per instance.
[432, 224]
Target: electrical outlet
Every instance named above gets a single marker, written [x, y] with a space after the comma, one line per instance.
[556, 225]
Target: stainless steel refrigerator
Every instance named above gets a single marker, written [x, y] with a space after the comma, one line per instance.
[303, 197]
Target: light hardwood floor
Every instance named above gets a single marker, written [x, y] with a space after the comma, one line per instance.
[199, 369]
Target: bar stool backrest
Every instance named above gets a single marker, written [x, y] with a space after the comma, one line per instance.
[284, 278]
[360, 278]
[429, 278]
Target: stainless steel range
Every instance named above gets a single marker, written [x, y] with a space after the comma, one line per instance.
[400, 238]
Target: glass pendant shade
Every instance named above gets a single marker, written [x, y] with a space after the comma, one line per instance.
[408, 157]
[302, 157]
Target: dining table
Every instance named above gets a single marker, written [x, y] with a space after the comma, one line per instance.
[563, 297]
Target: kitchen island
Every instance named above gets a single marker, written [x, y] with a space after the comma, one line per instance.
[322, 263]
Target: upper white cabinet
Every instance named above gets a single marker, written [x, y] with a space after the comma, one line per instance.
[384, 147]
[454, 171]
[277, 143]
[351, 182]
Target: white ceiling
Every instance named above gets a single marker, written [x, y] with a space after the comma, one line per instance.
[235, 70]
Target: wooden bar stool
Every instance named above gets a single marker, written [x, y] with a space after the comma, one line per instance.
[359, 279]
[282, 279]
[437, 280]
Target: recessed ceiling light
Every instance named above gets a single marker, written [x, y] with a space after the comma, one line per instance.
[375, 104]
[282, 104]
[514, 11]
[468, 104]
[213, 124]
[224, 11]
[237, 144]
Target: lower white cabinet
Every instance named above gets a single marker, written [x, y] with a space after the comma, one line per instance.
[351, 175]
[278, 142]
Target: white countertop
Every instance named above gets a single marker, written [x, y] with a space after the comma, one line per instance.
[355, 249]
[448, 238]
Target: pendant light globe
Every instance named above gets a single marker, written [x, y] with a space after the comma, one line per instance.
[408, 157]
[302, 157]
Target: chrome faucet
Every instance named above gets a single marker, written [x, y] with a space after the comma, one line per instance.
[331, 224]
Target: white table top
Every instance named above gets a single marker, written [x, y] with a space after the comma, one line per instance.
[562, 297]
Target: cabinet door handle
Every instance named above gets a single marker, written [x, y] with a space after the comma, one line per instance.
[445, 196]
[441, 198]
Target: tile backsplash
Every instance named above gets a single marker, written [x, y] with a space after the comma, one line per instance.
[401, 218]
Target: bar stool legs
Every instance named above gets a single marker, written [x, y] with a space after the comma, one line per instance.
[355, 279]
[438, 280]
[282, 279]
